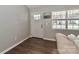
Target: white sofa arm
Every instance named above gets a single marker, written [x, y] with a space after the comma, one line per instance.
[64, 45]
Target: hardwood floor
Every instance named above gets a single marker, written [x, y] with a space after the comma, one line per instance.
[35, 46]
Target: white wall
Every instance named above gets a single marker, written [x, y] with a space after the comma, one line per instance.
[14, 25]
[48, 31]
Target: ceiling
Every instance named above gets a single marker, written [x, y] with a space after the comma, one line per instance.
[51, 7]
[44, 6]
[33, 6]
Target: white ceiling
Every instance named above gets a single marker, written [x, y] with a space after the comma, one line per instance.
[33, 6]
[51, 7]
[44, 6]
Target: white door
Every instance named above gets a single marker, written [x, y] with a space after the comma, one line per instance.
[37, 28]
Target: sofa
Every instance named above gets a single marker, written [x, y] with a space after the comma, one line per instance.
[65, 45]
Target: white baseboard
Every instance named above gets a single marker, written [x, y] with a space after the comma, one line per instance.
[49, 39]
[8, 49]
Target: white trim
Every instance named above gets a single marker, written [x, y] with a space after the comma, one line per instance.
[14, 45]
[49, 39]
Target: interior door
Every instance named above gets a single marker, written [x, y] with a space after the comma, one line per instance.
[48, 28]
[37, 28]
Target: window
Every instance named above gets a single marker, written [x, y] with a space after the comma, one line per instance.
[36, 16]
[59, 15]
[58, 24]
[73, 24]
[66, 20]
[73, 14]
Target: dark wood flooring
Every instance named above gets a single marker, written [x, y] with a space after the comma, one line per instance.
[35, 46]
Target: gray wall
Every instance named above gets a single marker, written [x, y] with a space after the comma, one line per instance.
[48, 31]
[14, 25]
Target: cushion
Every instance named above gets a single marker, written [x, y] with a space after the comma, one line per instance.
[72, 37]
[77, 36]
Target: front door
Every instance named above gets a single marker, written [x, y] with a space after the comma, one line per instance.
[37, 28]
